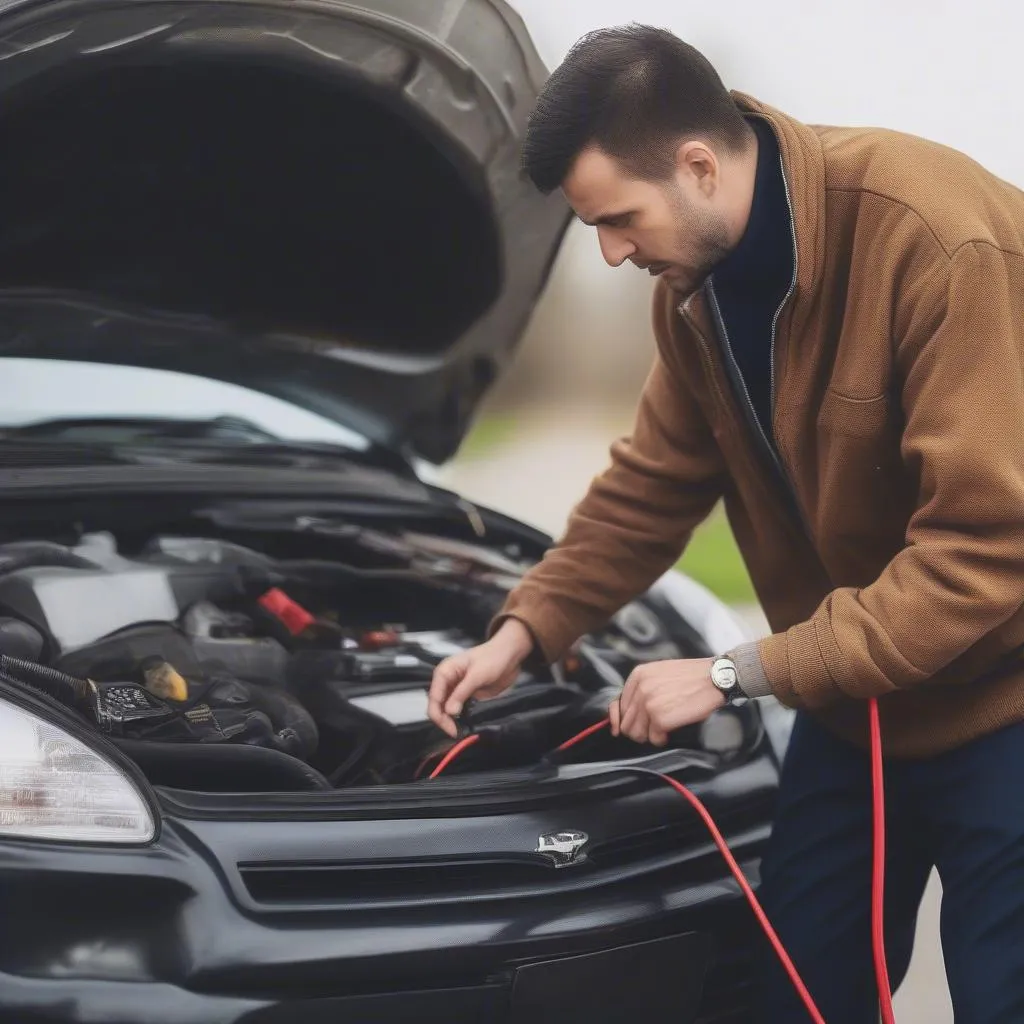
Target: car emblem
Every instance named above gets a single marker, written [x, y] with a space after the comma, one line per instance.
[563, 848]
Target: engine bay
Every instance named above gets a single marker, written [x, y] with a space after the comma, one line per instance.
[295, 653]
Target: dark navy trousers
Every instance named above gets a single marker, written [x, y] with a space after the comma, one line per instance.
[962, 812]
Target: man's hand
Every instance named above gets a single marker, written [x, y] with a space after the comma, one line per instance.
[664, 696]
[482, 672]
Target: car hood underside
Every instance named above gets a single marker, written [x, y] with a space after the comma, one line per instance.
[322, 202]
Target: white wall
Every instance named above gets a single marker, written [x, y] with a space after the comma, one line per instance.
[946, 71]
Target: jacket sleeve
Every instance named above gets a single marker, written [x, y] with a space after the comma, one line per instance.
[636, 518]
[960, 575]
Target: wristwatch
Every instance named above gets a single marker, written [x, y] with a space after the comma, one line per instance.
[726, 679]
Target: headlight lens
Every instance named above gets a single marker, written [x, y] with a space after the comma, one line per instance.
[52, 786]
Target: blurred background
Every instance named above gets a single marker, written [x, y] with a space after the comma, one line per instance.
[941, 70]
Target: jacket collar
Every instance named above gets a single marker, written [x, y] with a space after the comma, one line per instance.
[803, 165]
[763, 257]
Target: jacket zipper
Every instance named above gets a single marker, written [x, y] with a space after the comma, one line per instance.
[736, 378]
[740, 385]
[789, 293]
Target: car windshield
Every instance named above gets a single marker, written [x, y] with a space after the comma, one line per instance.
[37, 391]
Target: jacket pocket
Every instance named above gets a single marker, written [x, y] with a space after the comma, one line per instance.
[855, 417]
[865, 495]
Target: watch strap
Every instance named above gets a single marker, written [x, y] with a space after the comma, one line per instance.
[750, 672]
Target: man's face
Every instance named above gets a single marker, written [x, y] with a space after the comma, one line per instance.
[677, 229]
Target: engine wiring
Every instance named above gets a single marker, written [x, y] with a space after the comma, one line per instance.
[458, 748]
[877, 873]
[584, 734]
[160, 704]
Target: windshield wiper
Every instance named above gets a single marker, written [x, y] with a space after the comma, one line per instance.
[139, 429]
[19, 453]
[223, 439]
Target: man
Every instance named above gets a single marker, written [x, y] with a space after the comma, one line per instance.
[839, 317]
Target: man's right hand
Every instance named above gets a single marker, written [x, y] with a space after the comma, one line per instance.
[481, 672]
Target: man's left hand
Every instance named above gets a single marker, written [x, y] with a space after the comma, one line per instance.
[664, 696]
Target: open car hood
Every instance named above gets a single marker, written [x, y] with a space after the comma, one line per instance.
[319, 201]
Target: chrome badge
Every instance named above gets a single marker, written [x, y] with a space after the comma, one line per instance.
[563, 848]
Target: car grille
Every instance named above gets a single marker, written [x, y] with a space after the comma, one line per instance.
[388, 881]
[649, 846]
[380, 883]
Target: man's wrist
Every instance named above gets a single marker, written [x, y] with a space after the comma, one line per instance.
[518, 637]
[750, 674]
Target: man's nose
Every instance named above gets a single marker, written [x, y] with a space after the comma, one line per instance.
[614, 247]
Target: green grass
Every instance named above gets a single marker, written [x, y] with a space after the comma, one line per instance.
[486, 434]
[713, 559]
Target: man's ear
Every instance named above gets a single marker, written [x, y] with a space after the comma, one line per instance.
[696, 162]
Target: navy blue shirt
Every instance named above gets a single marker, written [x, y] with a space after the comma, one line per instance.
[752, 281]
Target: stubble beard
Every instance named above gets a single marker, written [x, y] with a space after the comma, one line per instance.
[712, 244]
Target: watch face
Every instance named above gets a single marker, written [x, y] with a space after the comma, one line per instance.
[723, 674]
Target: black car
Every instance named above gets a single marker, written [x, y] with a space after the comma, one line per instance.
[259, 262]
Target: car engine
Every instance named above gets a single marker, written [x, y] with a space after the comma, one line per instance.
[220, 667]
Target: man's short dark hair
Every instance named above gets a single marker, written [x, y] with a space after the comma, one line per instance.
[635, 92]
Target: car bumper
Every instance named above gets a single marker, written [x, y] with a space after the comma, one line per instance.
[173, 934]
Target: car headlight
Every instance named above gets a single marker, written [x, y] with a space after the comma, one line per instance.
[53, 786]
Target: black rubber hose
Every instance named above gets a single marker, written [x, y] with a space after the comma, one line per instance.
[316, 570]
[57, 684]
[19, 639]
[25, 554]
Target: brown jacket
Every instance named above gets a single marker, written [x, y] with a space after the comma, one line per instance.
[898, 571]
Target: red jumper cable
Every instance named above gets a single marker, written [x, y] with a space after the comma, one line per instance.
[877, 873]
